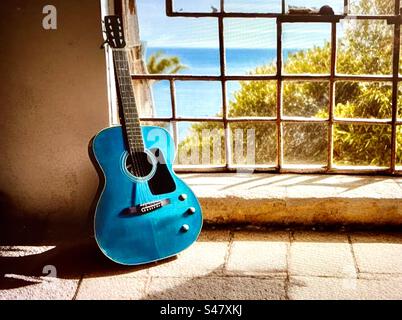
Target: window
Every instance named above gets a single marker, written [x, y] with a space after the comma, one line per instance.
[278, 90]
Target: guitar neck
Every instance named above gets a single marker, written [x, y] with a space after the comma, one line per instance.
[126, 94]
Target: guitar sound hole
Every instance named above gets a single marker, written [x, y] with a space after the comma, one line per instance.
[139, 164]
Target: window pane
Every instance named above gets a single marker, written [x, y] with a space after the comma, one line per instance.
[363, 100]
[253, 143]
[306, 99]
[250, 46]
[255, 6]
[362, 145]
[372, 7]
[193, 41]
[196, 5]
[305, 143]
[201, 143]
[400, 101]
[364, 47]
[251, 98]
[198, 98]
[336, 5]
[306, 48]
[160, 95]
[400, 55]
[399, 147]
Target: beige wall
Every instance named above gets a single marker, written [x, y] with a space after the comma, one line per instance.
[52, 101]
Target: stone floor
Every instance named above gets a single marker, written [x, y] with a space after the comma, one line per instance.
[223, 264]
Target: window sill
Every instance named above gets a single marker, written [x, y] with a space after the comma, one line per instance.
[298, 199]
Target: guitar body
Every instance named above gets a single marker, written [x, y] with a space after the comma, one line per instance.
[142, 219]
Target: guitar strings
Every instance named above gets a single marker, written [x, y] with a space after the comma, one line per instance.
[138, 168]
[129, 131]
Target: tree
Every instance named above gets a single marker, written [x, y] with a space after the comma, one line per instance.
[365, 48]
[160, 63]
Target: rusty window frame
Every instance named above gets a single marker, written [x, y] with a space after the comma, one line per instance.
[279, 119]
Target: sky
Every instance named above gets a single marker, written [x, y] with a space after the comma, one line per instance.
[158, 30]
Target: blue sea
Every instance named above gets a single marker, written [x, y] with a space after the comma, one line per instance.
[204, 98]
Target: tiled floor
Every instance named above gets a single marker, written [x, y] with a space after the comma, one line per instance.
[223, 264]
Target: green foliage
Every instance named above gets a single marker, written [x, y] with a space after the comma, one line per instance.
[160, 63]
[366, 47]
[316, 60]
[362, 145]
[259, 101]
[372, 7]
[206, 136]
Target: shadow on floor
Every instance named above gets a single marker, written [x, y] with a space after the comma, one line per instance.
[29, 246]
[71, 261]
[215, 286]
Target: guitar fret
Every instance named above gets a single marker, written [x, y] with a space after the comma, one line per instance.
[130, 110]
[131, 120]
[129, 103]
[125, 79]
[128, 100]
[130, 117]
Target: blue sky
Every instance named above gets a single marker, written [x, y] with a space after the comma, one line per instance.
[157, 30]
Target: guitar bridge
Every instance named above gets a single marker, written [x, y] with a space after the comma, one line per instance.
[145, 208]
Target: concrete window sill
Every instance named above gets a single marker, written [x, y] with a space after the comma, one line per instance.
[298, 199]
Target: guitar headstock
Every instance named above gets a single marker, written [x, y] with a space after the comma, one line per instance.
[114, 32]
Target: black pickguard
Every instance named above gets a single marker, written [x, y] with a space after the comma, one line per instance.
[162, 182]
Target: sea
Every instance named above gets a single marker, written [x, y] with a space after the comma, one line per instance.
[204, 98]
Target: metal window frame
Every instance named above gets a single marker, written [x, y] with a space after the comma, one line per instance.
[279, 77]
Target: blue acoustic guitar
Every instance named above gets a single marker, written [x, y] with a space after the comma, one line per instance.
[145, 212]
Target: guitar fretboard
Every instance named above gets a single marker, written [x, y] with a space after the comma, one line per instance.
[130, 113]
